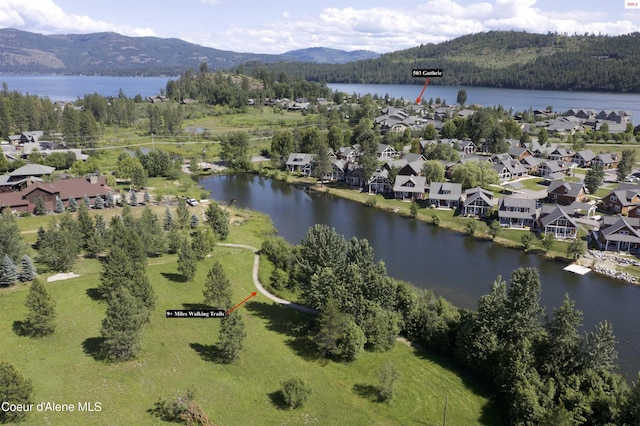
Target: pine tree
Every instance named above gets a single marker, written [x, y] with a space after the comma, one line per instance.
[86, 201]
[61, 244]
[168, 219]
[8, 272]
[59, 206]
[108, 200]
[85, 223]
[15, 388]
[146, 197]
[133, 198]
[98, 240]
[202, 242]
[40, 208]
[187, 261]
[182, 214]
[231, 337]
[99, 202]
[122, 326]
[28, 271]
[194, 222]
[217, 288]
[73, 204]
[41, 318]
[11, 242]
[218, 220]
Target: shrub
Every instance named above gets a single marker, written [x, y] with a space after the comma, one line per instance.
[435, 219]
[295, 392]
[371, 202]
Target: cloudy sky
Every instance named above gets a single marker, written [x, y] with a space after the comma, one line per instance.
[276, 26]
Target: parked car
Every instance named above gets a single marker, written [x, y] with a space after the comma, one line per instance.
[192, 201]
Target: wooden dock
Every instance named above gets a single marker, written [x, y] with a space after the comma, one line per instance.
[577, 269]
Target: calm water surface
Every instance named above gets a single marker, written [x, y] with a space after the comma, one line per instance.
[453, 265]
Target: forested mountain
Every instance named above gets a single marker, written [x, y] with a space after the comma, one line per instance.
[115, 54]
[497, 59]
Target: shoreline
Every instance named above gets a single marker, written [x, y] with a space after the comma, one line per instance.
[610, 264]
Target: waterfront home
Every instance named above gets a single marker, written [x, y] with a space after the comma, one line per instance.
[348, 153]
[354, 175]
[619, 234]
[565, 193]
[559, 223]
[300, 162]
[620, 200]
[409, 187]
[379, 182]
[445, 194]
[338, 169]
[477, 202]
[517, 212]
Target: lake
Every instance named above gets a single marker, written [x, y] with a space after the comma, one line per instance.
[452, 264]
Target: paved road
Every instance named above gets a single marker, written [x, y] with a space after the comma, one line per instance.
[261, 289]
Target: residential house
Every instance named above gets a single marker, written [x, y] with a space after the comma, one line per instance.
[620, 201]
[411, 157]
[409, 187]
[445, 194]
[379, 182]
[354, 175]
[338, 169]
[386, 151]
[555, 169]
[477, 202]
[531, 163]
[607, 161]
[565, 193]
[300, 162]
[519, 153]
[583, 158]
[560, 154]
[619, 234]
[559, 223]
[64, 189]
[348, 153]
[510, 169]
[24, 176]
[517, 212]
[412, 169]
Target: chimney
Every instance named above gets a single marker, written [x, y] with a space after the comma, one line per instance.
[93, 179]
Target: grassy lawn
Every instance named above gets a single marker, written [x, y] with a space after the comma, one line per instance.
[176, 355]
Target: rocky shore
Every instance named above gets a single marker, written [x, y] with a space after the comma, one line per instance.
[610, 265]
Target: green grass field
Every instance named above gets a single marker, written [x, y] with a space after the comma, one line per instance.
[176, 354]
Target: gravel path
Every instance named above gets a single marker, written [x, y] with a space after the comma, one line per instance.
[261, 289]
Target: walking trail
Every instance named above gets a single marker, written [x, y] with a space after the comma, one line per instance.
[261, 289]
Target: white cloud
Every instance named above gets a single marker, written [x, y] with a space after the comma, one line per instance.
[286, 15]
[46, 17]
[211, 2]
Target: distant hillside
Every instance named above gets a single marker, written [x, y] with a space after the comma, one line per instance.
[115, 54]
[498, 59]
[325, 55]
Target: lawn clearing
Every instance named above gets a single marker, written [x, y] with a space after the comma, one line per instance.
[175, 356]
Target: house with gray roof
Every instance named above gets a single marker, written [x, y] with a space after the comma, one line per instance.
[412, 169]
[300, 162]
[565, 193]
[583, 158]
[445, 194]
[620, 200]
[555, 169]
[409, 187]
[379, 182]
[477, 202]
[517, 212]
[619, 236]
[560, 224]
[607, 161]
[509, 169]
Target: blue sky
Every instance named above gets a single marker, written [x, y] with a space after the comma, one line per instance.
[276, 26]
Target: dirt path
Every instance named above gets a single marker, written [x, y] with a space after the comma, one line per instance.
[260, 287]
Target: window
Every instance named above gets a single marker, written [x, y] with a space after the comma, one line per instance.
[614, 199]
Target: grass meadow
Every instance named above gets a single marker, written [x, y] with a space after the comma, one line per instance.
[178, 354]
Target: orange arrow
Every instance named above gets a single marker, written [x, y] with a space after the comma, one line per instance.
[426, 83]
[235, 307]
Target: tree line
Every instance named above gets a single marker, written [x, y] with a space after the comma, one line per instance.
[540, 366]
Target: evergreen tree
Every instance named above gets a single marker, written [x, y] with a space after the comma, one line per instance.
[151, 233]
[14, 388]
[295, 392]
[59, 206]
[40, 320]
[217, 288]
[85, 223]
[108, 200]
[73, 204]
[8, 272]
[218, 220]
[231, 337]
[61, 244]
[626, 164]
[99, 202]
[40, 208]
[122, 326]
[86, 201]
[10, 236]
[202, 242]
[187, 262]
[182, 214]
[27, 271]
[146, 197]
[194, 222]
[168, 219]
[98, 240]
[133, 198]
